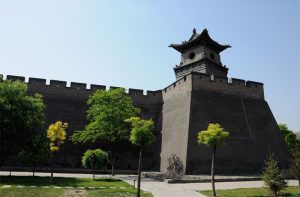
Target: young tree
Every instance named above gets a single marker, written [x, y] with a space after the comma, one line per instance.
[56, 134]
[35, 151]
[290, 138]
[295, 167]
[94, 159]
[106, 114]
[273, 177]
[21, 117]
[213, 137]
[141, 135]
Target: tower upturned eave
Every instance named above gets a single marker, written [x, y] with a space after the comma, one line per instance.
[200, 39]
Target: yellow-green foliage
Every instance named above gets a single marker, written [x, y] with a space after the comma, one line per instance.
[213, 136]
[57, 134]
[142, 131]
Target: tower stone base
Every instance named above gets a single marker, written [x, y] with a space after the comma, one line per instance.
[189, 106]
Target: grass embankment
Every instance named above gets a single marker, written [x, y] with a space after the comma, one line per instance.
[22, 186]
[252, 192]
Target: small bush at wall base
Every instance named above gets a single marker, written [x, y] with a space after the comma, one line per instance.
[273, 176]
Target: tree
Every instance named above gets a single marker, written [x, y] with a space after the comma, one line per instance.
[141, 135]
[290, 138]
[56, 134]
[106, 114]
[35, 151]
[295, 166]
[213, 137]
[94, 159]
[21, 117]
[273, 176]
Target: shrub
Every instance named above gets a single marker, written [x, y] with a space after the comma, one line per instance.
[94, 159]
[273, 176]
[175, 166]
[295, 167]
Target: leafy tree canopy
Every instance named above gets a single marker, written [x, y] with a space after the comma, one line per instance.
[141, 135]
[290, 138]
[94, 159]
[213, 136]
[21, 116]
[36, 150]
[106, 114]
[142, 131]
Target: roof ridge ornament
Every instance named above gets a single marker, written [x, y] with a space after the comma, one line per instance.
[194, 31]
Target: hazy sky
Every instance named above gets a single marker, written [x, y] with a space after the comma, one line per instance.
[125, 43]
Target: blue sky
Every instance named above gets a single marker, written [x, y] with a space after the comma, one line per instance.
[125, 43]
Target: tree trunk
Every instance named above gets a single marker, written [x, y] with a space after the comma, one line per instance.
[93, 174]
[112, 160]
[138, 194]
[1, 142]
[113, 166]
[299, 181]
[33, 170]
[51, 177]
[212, 171]
[5, 154]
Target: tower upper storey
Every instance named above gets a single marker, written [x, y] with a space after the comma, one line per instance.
[200, 54]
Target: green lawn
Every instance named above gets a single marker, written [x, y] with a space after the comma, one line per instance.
[83, 186]
[252, 192]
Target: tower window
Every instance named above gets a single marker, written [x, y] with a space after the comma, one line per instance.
[212, 56]
[192, 56]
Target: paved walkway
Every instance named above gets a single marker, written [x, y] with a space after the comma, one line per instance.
[162, 189]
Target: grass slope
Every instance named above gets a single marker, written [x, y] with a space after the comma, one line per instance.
[59, 181]
[252, 192]
[111, 187]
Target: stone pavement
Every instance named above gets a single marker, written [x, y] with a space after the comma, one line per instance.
[162, 189]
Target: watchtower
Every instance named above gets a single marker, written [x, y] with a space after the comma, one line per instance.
[200, 54]
[203, 94]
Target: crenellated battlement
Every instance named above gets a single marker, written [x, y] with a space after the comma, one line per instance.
[14, 78]
[193, 81]
[199, 81]
[95, 87]
[78, 86]
[37, 81]
[40, 84]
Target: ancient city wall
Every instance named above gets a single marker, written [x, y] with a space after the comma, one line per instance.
[68, 104]
[179, 111]
[253, 133]
[175, 124]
